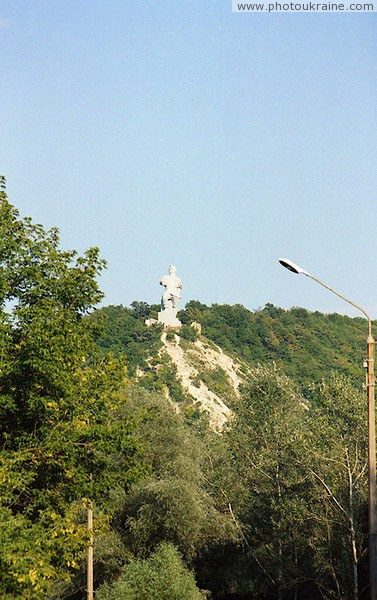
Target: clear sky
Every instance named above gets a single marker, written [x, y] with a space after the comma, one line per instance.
[179, 132]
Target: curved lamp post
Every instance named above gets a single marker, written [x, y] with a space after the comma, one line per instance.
[372, 512]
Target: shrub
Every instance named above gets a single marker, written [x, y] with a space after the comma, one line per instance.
[162, 576]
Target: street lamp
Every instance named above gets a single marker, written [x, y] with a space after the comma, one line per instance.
[372, 513]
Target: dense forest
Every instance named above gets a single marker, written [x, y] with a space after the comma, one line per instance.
[273, 507]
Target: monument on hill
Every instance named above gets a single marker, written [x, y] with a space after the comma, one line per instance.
[169, 301]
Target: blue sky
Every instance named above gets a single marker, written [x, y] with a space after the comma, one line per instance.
[180, 132]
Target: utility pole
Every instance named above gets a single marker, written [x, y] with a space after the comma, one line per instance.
[89, 586]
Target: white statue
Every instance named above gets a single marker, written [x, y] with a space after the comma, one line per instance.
[173, 286]
[170, 298]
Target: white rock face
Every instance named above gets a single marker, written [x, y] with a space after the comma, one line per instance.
[211, 358]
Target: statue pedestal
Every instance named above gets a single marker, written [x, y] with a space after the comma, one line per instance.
[168, 317]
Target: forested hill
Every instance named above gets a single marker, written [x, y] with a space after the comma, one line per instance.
[305, 345]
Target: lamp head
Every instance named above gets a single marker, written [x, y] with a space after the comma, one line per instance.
[291, 266]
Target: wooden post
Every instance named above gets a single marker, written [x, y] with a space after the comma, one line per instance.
[90, 595]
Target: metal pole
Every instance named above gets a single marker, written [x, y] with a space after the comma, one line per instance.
[372, 515]
[90, 595]
[372, 483]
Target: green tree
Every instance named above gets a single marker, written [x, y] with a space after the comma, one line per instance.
[172, 504]
[62, 440]
[294, 475]
[268, 490]
[162, 576]
[44, 294]
[338, 467]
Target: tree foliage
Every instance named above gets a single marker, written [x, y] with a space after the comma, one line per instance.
[162, 576]
[305, 345]
[174, 503]
[294, 472]
[59, 410]
[124, 333]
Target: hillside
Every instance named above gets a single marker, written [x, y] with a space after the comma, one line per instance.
[306, 346]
